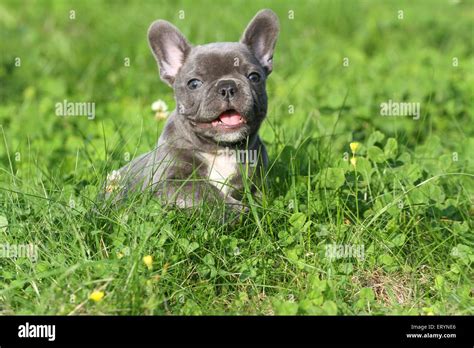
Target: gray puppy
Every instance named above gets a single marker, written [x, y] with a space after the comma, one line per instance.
[221, 103]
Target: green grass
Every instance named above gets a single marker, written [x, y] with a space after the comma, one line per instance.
[408, 201]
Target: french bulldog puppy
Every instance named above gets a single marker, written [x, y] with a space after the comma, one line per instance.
[213, 133]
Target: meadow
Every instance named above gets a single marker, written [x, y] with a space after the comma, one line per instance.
[382, 226]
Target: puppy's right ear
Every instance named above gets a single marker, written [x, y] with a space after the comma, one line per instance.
[169, 47]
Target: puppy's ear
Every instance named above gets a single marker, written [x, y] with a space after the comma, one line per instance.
[169, 47]
[261, 36]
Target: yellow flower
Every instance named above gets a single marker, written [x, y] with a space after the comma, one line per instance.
[354, 161]
[148, 261]
[165, 268]
[354, 147]
[96, 296]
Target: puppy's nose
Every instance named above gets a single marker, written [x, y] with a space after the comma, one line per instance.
[227, 89]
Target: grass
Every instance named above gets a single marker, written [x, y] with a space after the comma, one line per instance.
[406, 205]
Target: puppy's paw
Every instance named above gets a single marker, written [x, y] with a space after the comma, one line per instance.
[234, 212]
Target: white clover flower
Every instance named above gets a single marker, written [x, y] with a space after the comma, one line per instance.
[159, 105]
[113, 180]
[114, 176]
[160, 108]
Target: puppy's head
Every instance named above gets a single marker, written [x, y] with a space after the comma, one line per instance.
[219, 87]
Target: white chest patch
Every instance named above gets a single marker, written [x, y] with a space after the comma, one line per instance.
[222, 167]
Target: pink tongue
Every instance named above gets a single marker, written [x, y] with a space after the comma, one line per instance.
[231, 119]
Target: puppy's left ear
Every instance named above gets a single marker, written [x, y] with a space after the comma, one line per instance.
[261, 36]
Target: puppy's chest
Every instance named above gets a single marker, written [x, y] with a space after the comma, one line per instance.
[222, 170]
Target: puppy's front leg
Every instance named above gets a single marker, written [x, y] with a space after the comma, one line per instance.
[189, 194]
[196, 194]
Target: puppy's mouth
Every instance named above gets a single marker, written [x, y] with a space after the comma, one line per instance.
[227, 120]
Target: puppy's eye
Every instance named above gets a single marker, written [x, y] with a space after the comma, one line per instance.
[194, 84]
[254, 77]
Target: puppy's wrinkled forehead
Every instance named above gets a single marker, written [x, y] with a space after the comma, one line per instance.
[219, 59]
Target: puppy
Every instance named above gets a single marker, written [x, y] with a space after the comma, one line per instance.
[213, 133]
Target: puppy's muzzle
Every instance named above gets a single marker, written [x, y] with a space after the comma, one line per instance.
[227, 90]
